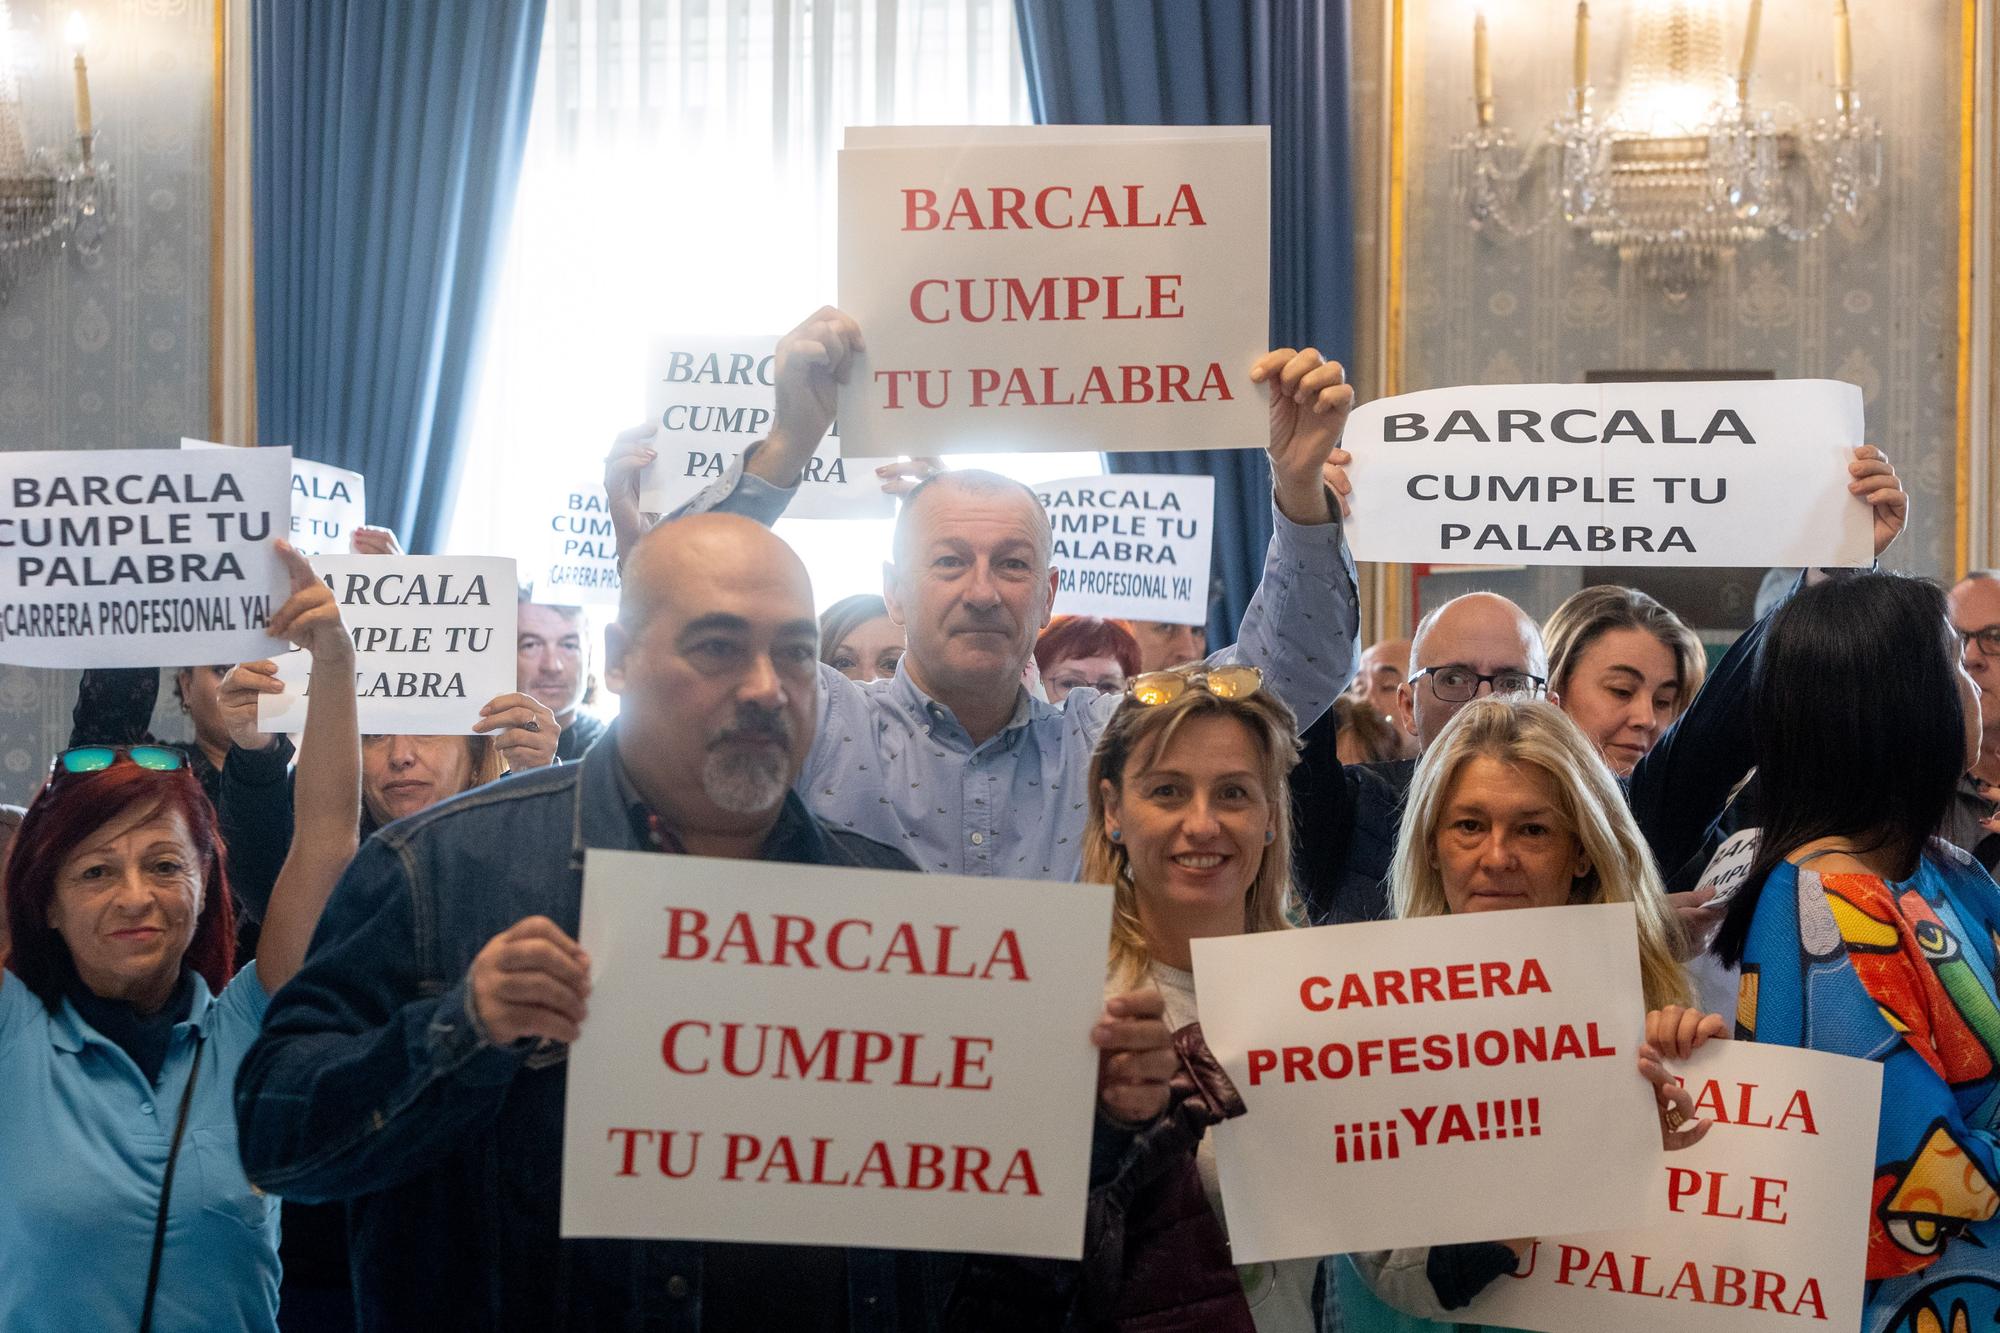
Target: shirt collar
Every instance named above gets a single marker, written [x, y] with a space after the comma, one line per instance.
[69, 1032]
[928, 712]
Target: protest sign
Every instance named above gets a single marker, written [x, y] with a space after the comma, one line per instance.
[328, 503]
[1434, 1076]
[799, 1055]
[712, 399]
[140, 557]
[574, 560]
[1055, 290]
[433, 642]
[1735, 472]
[959, 136]
[1762, 1225]
[1132, 545]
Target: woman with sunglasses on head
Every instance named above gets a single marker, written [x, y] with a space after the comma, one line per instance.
[122, 1201]
[1190, 823]
[1513, 807]
[1861, 933]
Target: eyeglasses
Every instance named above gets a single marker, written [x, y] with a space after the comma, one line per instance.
[1460, 685]
[1987, 637]
[97, 758]
[1223, 682]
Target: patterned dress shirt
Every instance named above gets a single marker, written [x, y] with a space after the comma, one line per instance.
[893, 764]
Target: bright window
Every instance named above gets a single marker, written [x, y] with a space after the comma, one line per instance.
[680, 178]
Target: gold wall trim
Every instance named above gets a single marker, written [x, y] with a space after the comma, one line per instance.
[217, 220]
[1395, 585]
[1968, 170]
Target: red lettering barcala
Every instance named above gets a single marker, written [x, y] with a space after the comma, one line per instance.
[779, 939]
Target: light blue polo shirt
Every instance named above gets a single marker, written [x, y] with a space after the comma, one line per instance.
[83, 1147]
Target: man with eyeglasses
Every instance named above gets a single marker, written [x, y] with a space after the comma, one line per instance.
[1975, 613]
[1481, 643]
[952, 760]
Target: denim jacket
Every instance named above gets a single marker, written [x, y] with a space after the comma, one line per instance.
[370, 1084]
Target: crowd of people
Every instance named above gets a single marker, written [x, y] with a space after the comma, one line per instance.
[343, 975]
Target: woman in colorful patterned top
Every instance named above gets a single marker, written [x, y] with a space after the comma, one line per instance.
[1860, 934]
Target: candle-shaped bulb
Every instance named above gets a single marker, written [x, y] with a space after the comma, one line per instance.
[1843, 53]
[77, 32]
[1751, 27]
[1580, 57]
[1482, 68]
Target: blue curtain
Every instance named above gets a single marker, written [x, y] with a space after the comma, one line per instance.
[1282, 63]
[386, 144]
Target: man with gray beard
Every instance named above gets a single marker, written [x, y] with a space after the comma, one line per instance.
[416, 1065]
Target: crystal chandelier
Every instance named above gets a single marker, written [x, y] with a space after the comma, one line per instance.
[1684, 168]
[48, 200]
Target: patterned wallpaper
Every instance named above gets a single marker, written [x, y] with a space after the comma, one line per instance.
[1874, 304]
[114, 355]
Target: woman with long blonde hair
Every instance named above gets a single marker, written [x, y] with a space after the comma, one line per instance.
[1216, 724]
[1511, 807]
[1191, 824]
[1532, 749]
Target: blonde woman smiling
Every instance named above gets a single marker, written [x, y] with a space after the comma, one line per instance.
[1513, 807]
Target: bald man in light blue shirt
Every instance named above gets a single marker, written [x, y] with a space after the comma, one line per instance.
[953, 760]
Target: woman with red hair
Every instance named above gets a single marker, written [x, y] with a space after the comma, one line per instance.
[122, 1201]
[1083, 652]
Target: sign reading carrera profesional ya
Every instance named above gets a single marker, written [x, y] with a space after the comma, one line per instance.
[712, 398]
[1763, 1225]
[1728, 473]
[1132, 545]
[433, 642]
[328, 503]
[1437, 1076]
[140, 557]
[572, 558]
[800, 1055]
[1050, 289]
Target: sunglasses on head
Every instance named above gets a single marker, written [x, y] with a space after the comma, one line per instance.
[97, 758]
[1223, 682]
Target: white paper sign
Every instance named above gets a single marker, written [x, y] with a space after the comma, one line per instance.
[328, 503]
[574, 561]
[1423, 1073]
[1056, 292]
[1763, 1225]
[140, 557]
[433, 643]
[1729, 473]
[802, 1055]
[958, 136]
[712, 399]
[1132, 545]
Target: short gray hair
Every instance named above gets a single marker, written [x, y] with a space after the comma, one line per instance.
[974, 481]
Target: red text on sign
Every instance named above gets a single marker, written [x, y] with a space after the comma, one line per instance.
[1419, 985]
[1703, 1284]
[1701, 1191]
[1051, 208]
[836, 1055]
[1427, 1054]
[1012, 301]
[849, 945]
[1740, 1105]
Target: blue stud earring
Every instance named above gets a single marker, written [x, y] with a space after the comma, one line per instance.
[1117, 835]
[1270, 836]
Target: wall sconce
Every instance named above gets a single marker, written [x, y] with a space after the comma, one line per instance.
[1685, 168]
[49, 200]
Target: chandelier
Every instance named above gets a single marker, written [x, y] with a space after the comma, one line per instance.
[49, 200]
[1685, 167]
